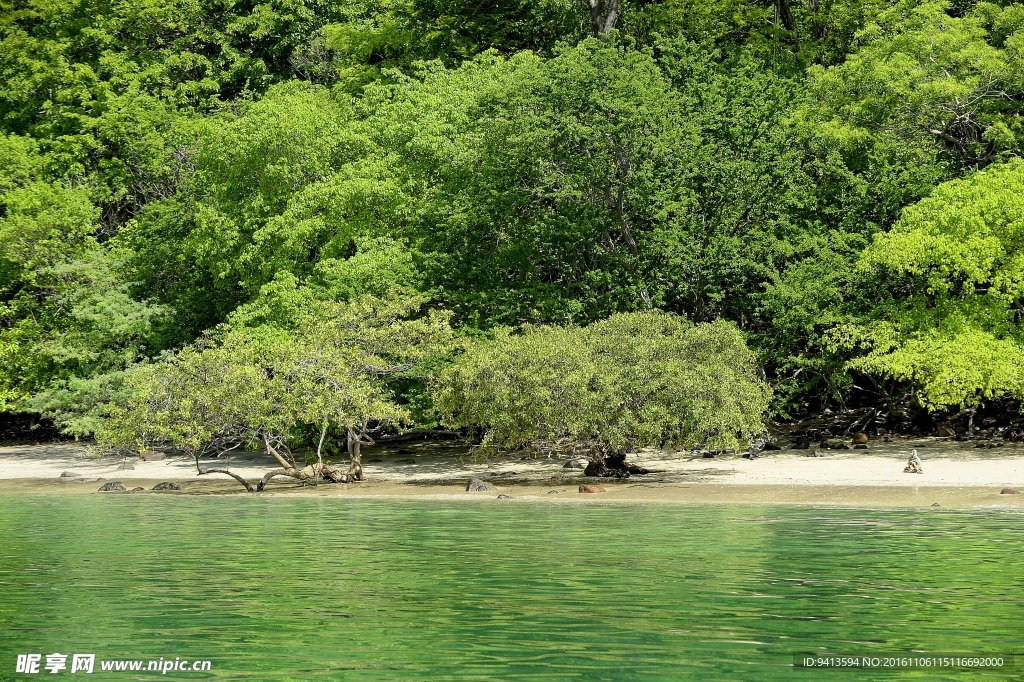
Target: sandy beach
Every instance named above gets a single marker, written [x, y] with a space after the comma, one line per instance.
[955, 474]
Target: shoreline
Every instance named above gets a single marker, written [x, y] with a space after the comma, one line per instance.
[954, 476]
[695, 494]
[626, 493]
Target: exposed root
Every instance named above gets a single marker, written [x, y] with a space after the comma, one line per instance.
[612, 465]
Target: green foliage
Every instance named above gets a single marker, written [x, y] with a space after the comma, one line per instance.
[528, 178]
[257, 196]
[603, 180]
[955, 264]
[265, 385]
[68, 322]
[947, 83]
[97, 334]
[173, 166]
[788, 34]
[376, 36]
[100, 84]
[630, 381]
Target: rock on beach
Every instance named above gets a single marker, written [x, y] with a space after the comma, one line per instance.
[476, 485]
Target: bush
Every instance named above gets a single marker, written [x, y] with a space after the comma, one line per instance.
[632, 380]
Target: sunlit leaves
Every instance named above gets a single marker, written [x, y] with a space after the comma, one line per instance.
[336, 367]
[630, 381]
[955, 260]
[932, 78]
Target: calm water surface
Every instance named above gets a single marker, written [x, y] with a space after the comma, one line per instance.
[279, 588]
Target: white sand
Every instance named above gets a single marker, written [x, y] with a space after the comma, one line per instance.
[951, 472]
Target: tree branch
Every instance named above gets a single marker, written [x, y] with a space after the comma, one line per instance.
[232, 475]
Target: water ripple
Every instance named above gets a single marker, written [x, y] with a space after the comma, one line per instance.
[303, 589]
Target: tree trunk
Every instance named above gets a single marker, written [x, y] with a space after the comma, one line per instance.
[818, 29]
[272, 451]
[784, 14]
[355, 467]
[320, 449]
[603, 16]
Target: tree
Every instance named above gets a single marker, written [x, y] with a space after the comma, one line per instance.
[787, 35]
[951, 83]
[630, 381]
[954, 263]
[265, 386]
[522, 181]
[262, 190]
[599, 181]
[70, 324]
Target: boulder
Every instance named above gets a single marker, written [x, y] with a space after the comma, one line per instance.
[504, 497]
[126, 466]
[591, 489]
[834, 444]
[574, 464]
[860, 446]
[152, 456]
[70, 474]
[475, 485]
[946, 431]
[110, 487]
[802, 443]
[860, 438]
[1009, 491]
[135, 490]
[167, 485]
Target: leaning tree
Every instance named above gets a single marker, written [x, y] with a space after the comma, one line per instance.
[630, 381]
[266, 386]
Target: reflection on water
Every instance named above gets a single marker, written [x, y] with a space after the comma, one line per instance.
[298, 589]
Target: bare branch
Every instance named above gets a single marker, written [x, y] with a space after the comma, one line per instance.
[232, 475]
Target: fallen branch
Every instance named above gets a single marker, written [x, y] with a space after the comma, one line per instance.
[232, 475]
[277, 472]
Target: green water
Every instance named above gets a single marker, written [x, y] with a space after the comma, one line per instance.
[298, 589]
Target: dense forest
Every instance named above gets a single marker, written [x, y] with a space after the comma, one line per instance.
[188, 186]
